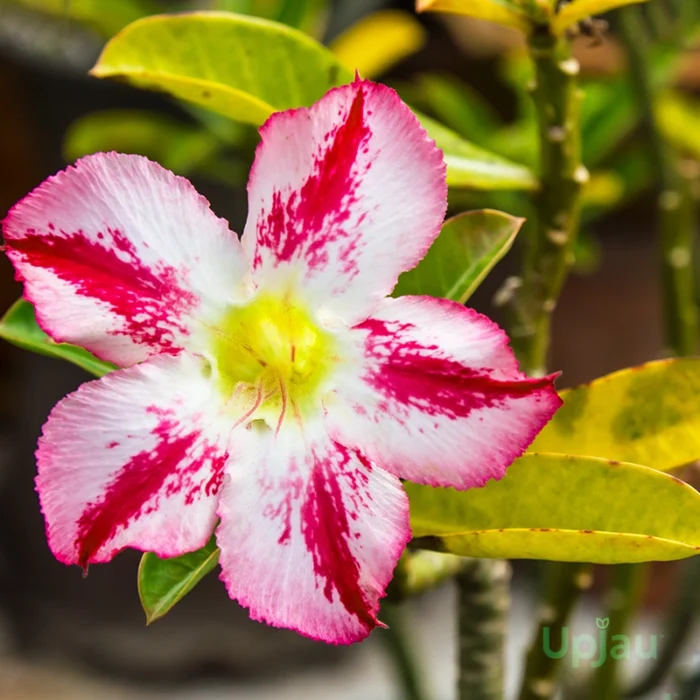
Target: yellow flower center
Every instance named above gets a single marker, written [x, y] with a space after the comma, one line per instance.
[271, 357]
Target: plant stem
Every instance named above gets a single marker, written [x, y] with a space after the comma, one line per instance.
[676, 200]
[549, 253]
[623, 596]
[395, 638]
[565, 583]
[548, 257]
[483, 605]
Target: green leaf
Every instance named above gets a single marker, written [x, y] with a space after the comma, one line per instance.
[379, 41]
[105, 16]
[243, 67]
[292, 12]
[563, 508]
[165, 582]
[609, 115]
[466, 250]
[19, 327]
[505, 12]
[469, 166]
[458, 106]
[183, 148]
[647, 415]
[578, 10]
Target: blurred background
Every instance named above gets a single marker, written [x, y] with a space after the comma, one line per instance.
[65, 637]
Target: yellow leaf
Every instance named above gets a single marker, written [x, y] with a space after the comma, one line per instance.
[647, 415]
[579, 10]
[379, 41]
[499, 11]
[562, 508]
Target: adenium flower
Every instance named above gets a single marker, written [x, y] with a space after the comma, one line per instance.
[268, 385]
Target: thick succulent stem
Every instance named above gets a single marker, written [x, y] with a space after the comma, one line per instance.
[484, 600]
[548, 257]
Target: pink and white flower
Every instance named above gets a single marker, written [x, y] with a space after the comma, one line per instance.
[269, 383]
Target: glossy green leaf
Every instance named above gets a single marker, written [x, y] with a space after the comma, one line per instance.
[563, 508]
[577, 10]
[242, 67]
[466, 250]
[505, 12]
[379, 41]
[647, 415]
[19, 327]
[471, 167]
[165, 582]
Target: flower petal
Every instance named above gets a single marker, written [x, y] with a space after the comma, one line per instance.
[134, 459]
[346, 195]
[439, 400]
[118, 255]
[310, 532]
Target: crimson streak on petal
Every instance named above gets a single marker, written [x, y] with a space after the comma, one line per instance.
[326, 528]
[314, 216]
[149, 300]
[422, 376]
[167, 469]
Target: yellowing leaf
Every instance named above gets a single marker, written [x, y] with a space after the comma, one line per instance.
[563, 508]
[647, 415]
[578, 10]
[379, 41]
[242, 67]
[466, 250]
[679, 117]
[503, 12]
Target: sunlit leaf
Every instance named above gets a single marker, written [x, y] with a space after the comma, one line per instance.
[472, 167]
[466, 250]
[505, 12]
[242, 67]
[379, 41]
[647, 415]
[563, 508]
[577, 10]
[165, 582]
[197, 57]
[19, 327]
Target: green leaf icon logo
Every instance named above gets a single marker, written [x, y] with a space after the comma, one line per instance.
[602, 623]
